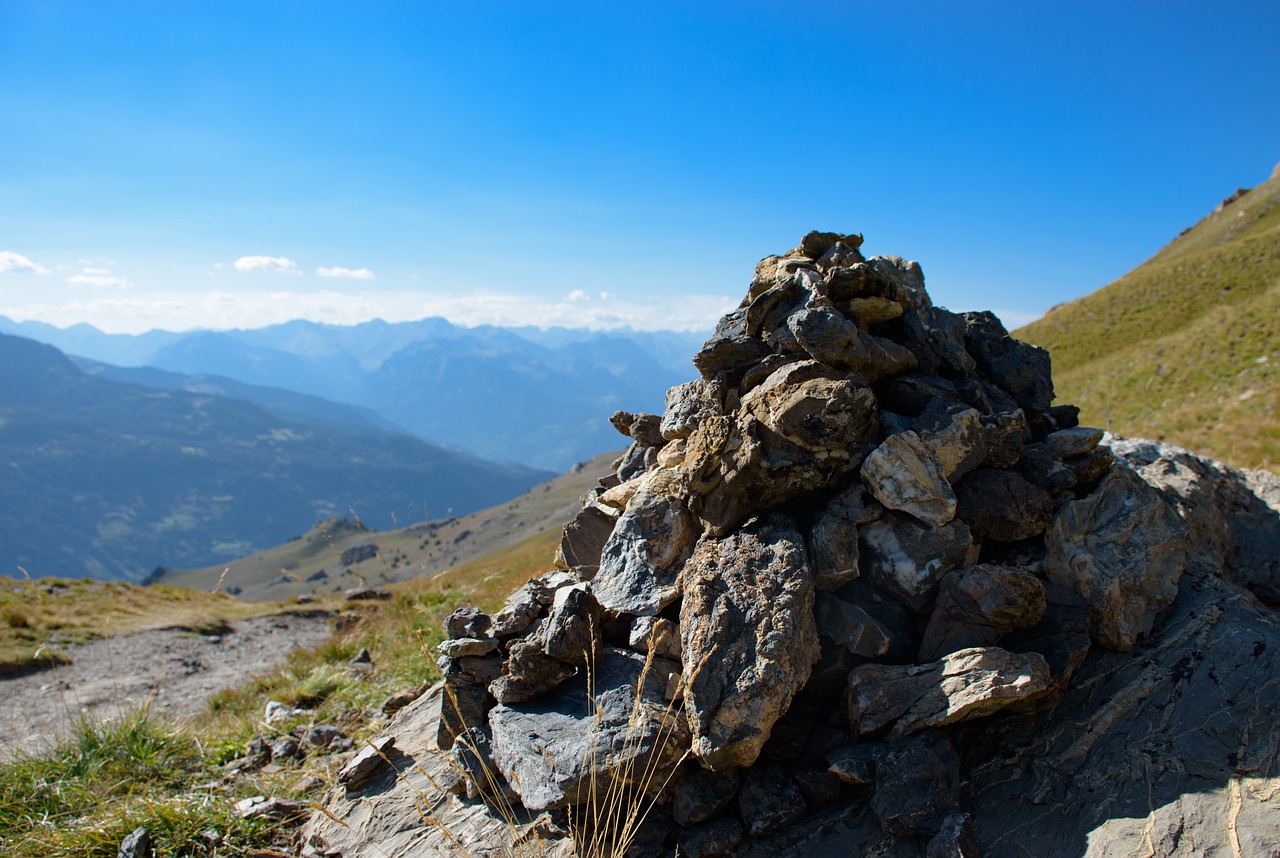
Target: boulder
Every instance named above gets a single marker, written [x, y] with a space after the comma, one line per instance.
[997, 503]
[977, 606]
[907, 558]
[643, 557]
[904, 475]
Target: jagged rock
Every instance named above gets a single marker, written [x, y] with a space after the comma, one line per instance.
[1088, 470]
[643, 557]
[472, 758]
[467, 623]
[572, 633]
[522, 608]
[644, 429]
[955, 839]
[830, 338]
[936, 337]
[997, 503]
[1006, 438]
[917, 781]
[1122, 548]
[748, 638]
[401, 699]
[584, 538]
[855, 765]
[959, 686]
[700, 794]
[1041, 466]
[137, 844]
[833, 539]
[273, 807]
[366, 762]
[978, 606]
[655, 633]
[548, 749]
[904, 475]
[851, 627]
[528, 672]
[907, 558]
[285, 748]
[1020, 368]
[716, 839]
[1074, 442]
[730, 350]
[768, 799]
[464, 647]
[954, 434]
[688, 405]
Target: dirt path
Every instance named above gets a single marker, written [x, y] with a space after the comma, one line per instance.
[173, 671]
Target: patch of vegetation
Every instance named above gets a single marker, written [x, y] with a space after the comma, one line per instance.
[1186, 347]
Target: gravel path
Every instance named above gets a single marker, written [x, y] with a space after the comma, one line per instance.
[173, 671]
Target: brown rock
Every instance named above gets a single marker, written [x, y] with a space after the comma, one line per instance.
[903, 474]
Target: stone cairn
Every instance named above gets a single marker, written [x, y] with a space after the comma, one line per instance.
[863, 524]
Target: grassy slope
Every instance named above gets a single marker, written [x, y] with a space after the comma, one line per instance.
[405, 553]
[1186, 347]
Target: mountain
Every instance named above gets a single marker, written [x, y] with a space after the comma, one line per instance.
[108, 480]
[1186, 347]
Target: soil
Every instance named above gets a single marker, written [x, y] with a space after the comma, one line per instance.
[174, 672]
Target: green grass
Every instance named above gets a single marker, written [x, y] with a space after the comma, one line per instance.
[1186, 347]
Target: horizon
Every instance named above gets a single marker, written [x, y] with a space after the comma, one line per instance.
[190, 169]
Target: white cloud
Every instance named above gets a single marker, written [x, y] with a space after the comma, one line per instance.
[347, 273]
[97, 277]
[89, 270]
[274, 264]
[16, 263]
[578, 295]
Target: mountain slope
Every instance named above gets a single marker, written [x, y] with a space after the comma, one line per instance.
[1186, 347]
[109, 480]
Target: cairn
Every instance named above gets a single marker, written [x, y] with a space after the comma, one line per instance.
[864, 524]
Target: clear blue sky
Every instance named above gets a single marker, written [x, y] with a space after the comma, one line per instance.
[511, 162]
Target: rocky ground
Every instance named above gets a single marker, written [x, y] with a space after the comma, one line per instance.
[173, 671]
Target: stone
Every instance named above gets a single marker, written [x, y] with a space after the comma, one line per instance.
[908, 558]
[1123, 549]
[768, 799]
[401, 699]
[548, 749]
[904, 279]
[730, 350]
[137, 844]
[273, 807]
[285, 748]
[472, 758]
[936, 337]
[748, 637]
[644, 429]
[851, 627]
[818, 787]
[658, 634]
[816, 244]
[699, 794]
[841, 254]
[519, 612]
[814, 407]
[643, 557]
[463, 647]
[977, 606]
[1090, 469]
[718, 838]
[572, 633]
[366, 594]
[1020, 368]
[1006, 431]
[1074, 442]
[583, 539]
[529, 672]
[1061, 636]
[966, 684]
[997, 503]
[916, 785]
[688, 405]
[461, 707]
[854, 764]
[954, 434]
[904, 475]
[1040, 466]
[324, 736]
[833, 538]
[955, 839]
[830, 338]
[467, 623]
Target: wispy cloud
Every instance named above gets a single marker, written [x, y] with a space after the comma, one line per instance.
[98, 277]
[16, 263]
[347, 273]
[274, 264]
[578, 295]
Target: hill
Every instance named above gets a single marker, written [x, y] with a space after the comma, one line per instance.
[1186, 347]
[108, 480]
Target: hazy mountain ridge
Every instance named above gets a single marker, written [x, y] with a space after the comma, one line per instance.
[540, 397]
[109, 480]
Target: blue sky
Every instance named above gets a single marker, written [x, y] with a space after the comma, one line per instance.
[602, 164]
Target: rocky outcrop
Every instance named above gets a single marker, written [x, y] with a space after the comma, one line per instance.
[865, 590]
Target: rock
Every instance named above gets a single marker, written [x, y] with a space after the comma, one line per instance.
[999, 504]
[916, 785]
[522, 608]
[818, 787]
[285, 748]
[731, 350]
[962, 685]
[716, 839]
[324, 736]
[463, 647]
[1006, 431]
[1123, 549]
[401, 699]
[851, 627]
[281, 809]
[936, 337]
[828, 337]
[467, 623]
[976, 607]
[904, 475]
[644, 555]
[907, 558]
[748, 637]
[904, 279]
[833, 539]
[366, 594]
[768, 800]
[699, 794]
[1088, 470]
[277, 713]
[688, 405]
[854, 765]
[583, 540]
[955, 839]
[1020, 368]
[1040, 466]
[655, 633]
[1074, 442]
[953, 432]
[137, 844]
[547, 748]
[367, 761]
[528, 672]
[472, 758]
[573, 632]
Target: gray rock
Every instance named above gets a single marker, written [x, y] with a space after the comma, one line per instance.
[959, 686]
[643, 557]
[731, 349]
[1073, 443]
[137, 844]
[718, 838]
[1039, 465]
[904, 279]
[833, 539]
[908, 558]
[1006, 431]
[818, 787]
[273, 807]
[1090, 469]
[472, 758]
[851, 627]
[768, 799]
[467, 623]
[841, 254]
[572, 632]
[644, 429]
[827, 336]
[463, 647]
[583, 539]
[549, 749]
[936, 336]
[916, 785]
[1020, 368]
[978, 606]
[997, 503]
[529, 672]
[522, 608]
[1122, 548]
[367, 761]
[904, 475]
[688, 405]
[655, 633]
[954, 434]
[955, 839]
[748, 636]
[854, 764]
[700, 794]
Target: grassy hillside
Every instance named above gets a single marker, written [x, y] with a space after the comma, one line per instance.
[314, 563]
[1186, 347]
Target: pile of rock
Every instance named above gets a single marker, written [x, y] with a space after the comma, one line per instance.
[864, 523]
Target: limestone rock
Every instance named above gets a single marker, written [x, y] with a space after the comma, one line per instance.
[904, 475]
[644, 554]
[748, 637]
[962, 685]
[655, 633]
[688, 405]
[908, 558]
[976, 607]
[1123, 549]
[954, 434]
[583, 539]
[833, 539]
